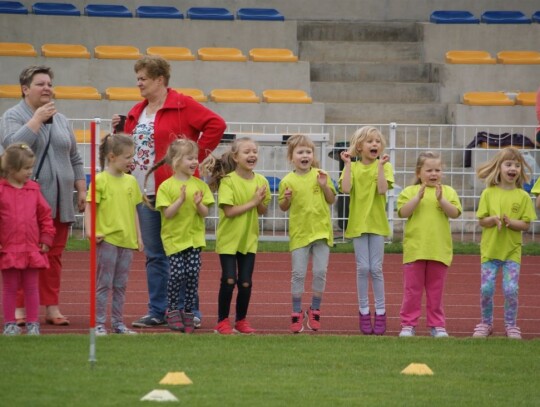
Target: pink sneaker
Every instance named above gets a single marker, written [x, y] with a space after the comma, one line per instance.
[365, 324]
[482, 330]
[379, 326]
[243, 327]
[513, 332]
[313, 317]
[297, 322]
[174, 320]
[224, 327]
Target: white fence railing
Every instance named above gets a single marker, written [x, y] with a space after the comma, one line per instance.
[404, 143]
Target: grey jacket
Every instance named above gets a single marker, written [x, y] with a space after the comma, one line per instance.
[63, 164]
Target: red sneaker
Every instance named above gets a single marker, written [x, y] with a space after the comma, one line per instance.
[313, 319]
[224, 327]
[243, 327]
[297, 322]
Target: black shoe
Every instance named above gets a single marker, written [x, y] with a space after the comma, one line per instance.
[148, 321]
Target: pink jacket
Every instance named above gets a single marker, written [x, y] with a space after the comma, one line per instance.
[25, 223]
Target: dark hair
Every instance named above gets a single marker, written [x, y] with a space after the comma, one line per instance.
[14, 158]
[27, 74]
[115, 144]
[155, 67]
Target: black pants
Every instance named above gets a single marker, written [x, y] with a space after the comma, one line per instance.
[229, 278]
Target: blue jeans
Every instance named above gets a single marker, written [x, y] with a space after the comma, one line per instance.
[157, 263]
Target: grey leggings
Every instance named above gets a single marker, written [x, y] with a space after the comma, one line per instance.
[300, 259]
[369, 254]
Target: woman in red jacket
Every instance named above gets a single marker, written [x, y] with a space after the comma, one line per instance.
[160, 118]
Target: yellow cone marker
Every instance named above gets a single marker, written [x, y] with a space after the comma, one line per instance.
[176, 378]
[419, 369]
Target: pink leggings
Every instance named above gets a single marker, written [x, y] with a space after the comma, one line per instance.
[29, 281]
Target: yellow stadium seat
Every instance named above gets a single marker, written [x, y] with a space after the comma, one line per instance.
[76, 92]
[10, 91]
[272, 55]
[172, 53]
[518, 57]
[234, 96]
[526, 98]
[64, 51]
[196, 94]
[123, 93]
[221, 54]
[469, 57]
[286, 96]
[487, 99]
[17, 49]
[117, 52]
[84, 136]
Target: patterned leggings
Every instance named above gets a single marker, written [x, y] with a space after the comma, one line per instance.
[185, 268]
[510, 286]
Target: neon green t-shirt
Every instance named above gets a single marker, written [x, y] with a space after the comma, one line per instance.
[239, 234]
[504, 244]
[536, 188]
[116, 201]
[367, 208]
[185, 229]
[309, 213]
[427, 230]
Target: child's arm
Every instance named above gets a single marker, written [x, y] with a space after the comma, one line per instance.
[538, 201]
[87, 222]
[346, 177]
[140, 243]
[173, 208]
[322, 179]
[202, 209]
[516, 224]
[231, 211]
[285, 203]
[382, 183]
[408, 209]
[490, 221]
[450, 210]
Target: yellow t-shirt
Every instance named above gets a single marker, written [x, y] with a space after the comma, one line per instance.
[239, 234]
[309, 213]
[185, 229]
[367, 208]
[536, 188]
[116, 200]
[504, 244]
[427, 230]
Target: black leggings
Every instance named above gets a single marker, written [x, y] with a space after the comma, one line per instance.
[229, 277]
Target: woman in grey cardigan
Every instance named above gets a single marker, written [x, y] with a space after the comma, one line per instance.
[35, 121]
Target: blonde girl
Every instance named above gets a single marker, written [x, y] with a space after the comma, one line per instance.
[26, 234]
[306, 193]
[243, 195]
[367, 179]
[504, 213]
[427, 245]
[117, 229]
[183, 202]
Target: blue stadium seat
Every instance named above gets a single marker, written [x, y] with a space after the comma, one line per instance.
[274, 183]
[59, 9]
[265, 14]
[12, 7]
[209, 13]
[158, 12]
[505, 17]
[107, 10]
[453, 17]
[536, 17]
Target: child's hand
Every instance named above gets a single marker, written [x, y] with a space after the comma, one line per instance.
[345, 157]
[322, 178]
[421, 191]
[287, 194]
[492, 221]
[384, 159]
[140, 245]
[507, 221]
[99, 238]
[197, 197]
[44, 248]
[182, 196]
[438, 192]
[260, 194]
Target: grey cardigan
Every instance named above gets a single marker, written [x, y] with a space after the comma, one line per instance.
[63, 164]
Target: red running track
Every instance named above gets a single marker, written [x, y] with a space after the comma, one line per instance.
[270, 305]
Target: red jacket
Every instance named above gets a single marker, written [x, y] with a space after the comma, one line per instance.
[25, 223]
[180, 115]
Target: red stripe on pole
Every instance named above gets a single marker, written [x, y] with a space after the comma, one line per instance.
[92, 224]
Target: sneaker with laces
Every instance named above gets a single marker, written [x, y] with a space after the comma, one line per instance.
[297, 322]
[123, 330]
[174, 320]
[224, 327]
[187, 320]
[407, 331]
[243, 327]
[513, 332]
[197, 323]
[11, 329]
[100, 330]
[379, 325]
[482, 330]
[364, 322]
[313, 317]
[32, 328]
[439, 332]
[148, 321]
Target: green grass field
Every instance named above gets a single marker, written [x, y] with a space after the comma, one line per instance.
[273, 370]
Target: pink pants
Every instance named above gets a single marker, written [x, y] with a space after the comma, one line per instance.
[12, 280]
[417, 275]
[49, 279]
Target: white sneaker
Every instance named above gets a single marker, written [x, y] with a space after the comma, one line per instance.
[32, 328]
[407, 331]
[100, 330]
[439, 332]
[123, 330]
[197, 322]
[11, 329]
